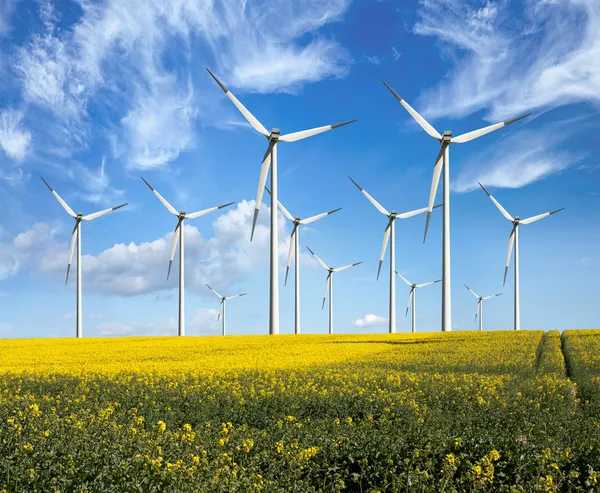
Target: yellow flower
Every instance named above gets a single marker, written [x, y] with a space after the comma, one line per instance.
[187, 427]
[247, 445]
[28, 447]
[450, 459]
[162, 426]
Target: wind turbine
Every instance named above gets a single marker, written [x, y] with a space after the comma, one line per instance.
[270, 159]
[222, 307]
[443, 162]
[76, 235]
[294, 245]
[413, 298]
[329, 285]
[390, 231]
[480, 305]
[514, 239]
[178, 234]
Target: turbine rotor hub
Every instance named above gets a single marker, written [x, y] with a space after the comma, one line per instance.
[181, 214]
[447, 137]
[275, 133]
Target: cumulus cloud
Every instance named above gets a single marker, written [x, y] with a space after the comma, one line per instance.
[222, 260]
[15, 140]
[370, 320]
[546, 57]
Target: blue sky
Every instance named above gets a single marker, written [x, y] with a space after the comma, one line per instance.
[95, 94]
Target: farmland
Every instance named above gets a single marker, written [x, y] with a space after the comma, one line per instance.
[492, 411]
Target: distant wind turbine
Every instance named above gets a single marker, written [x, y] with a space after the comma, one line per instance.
[270, 159]
[412, 298]
[222, 307]
[294, 246]
[390, 231]
[514, 239]
[479, 309]
[329, 285]
[443, 162]
[178, 234]
[76, 235]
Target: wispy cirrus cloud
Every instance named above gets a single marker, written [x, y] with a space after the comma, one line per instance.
[15, 139]
[546, 57]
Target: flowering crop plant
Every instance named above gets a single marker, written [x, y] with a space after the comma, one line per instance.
[492, 411]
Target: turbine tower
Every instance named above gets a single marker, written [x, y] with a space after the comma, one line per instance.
[270, 160]
[412, 298]
[443, 162]
[222, 307]
[479, 309]
[76, 235]
[178, 234]
[294, 246]
[390, 231]
[514, 239]
[329, 285]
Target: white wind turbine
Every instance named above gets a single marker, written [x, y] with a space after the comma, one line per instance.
[294, 246]
[390, 231]
[443, 162]
[479, 309]
[222, 307]
[178, 234]
[76, 235]
[329, 285]
[270, 160]
[412, 298]
[514, 239]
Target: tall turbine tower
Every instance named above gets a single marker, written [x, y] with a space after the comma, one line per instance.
[178, 234]
[76, 235]
[443, 162]
[390, 231]
[222, 307]
[294, 246]
[479, 309]
[270, 160]
[412, 298]
[514, 239]
[329, 285]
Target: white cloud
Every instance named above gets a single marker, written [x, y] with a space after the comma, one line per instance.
[547, 56]
[370, 320]
[519, 159]
[223, 260]
[95, 184]
[7, 8]
[15, 140]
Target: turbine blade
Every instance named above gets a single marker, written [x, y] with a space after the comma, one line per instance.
[404, 279]
[326, 290]
[220, 310]
[460, 139]
[437, 171]
[71, 248]
[161, 198]
[60, 200]
[194, 215]
[419, 119]
[340, 269]
[264, 171]
[318, 259]
[214, 291]
[235, 296]
[303, 134]
[533, 219]
[427, 284]
[493, 296]
[318, 216]
[173, 246]
[497, 204]
[386, 238]
[283, 209]
[410, 297]
[247, 115]
[89, 217]
[377, 205]
[406, 215]
[473, 292]
[477, 309]
[290, 250]
[511, 240]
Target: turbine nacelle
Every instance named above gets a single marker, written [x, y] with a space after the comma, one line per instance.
[446, 138]
[274, 135]
[181, 215]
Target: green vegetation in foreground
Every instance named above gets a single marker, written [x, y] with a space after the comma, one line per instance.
[429, 412]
